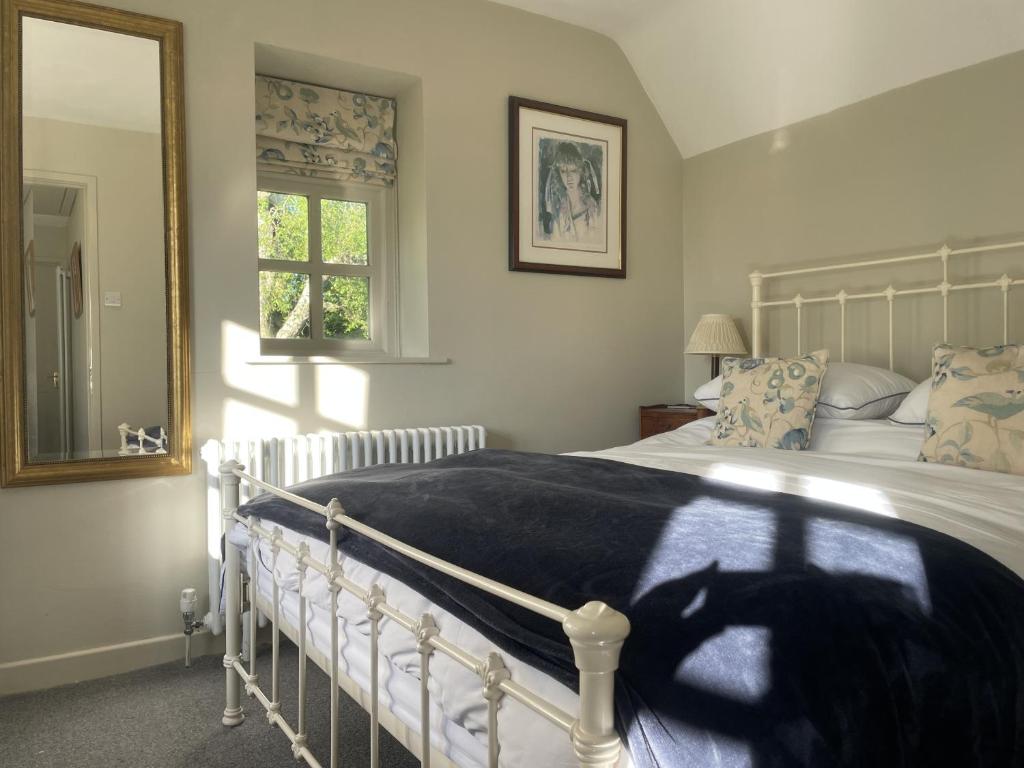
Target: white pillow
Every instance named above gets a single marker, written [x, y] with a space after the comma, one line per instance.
[914, 409]
[708, 394]
[848, 391]
[874, 438]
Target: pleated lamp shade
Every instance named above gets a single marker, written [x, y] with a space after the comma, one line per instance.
[716, 335]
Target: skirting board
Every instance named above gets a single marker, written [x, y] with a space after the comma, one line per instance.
[90, 663]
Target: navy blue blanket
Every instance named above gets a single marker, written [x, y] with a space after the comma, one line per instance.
[768, 629]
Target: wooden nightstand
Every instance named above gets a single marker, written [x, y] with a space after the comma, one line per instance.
[655, 419]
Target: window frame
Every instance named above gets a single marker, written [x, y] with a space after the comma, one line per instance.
[381, 267]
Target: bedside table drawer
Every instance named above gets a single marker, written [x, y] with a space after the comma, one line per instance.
[655, 419]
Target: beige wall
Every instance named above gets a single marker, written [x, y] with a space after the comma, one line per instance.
[546, 362]
[133, 337]
[943, 158]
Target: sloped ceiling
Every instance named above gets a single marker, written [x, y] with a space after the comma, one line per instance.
[721, 70]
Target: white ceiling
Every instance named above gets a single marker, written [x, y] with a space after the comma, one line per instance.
[722, 70]
[85, 75]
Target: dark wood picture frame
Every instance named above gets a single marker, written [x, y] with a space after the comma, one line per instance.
[519, 262]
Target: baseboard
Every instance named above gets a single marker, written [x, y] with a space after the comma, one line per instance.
[90, 663]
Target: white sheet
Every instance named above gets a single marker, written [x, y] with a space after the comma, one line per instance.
[869, 465]
[865, 464]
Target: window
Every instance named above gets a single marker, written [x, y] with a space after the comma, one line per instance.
[326, 164]
[326, 267]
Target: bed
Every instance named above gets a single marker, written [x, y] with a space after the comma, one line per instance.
[449, 649]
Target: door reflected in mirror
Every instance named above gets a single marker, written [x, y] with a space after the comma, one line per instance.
[95, 314]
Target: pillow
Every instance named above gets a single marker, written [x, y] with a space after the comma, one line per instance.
[708, 394]
[769, 402]
[873, 438]
[914, 409]
[851, 391]
[976, 408]
[855, 391]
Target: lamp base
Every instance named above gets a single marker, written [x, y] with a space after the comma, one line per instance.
[716, 365]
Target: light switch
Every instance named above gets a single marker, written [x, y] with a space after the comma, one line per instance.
[112, 299]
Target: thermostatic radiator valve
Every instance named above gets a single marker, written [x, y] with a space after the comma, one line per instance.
[188, 616]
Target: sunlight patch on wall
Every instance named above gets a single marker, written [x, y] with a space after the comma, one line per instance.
[342, 395]
[242, 420]
[276, 383]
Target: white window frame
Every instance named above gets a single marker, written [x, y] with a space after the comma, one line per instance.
[381, 268]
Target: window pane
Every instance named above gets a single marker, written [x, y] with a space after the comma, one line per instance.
[284, 305]
[343, 227]
[283, 225]
[347, 307]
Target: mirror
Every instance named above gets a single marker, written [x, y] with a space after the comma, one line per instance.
[95, 342]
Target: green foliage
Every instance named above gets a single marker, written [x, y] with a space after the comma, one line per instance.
[280, 293]
[347, 307]
[283, 223]
[283, 226]
[343, 227]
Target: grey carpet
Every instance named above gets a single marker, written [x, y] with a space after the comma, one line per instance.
[169, 717]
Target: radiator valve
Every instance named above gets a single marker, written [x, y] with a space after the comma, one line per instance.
[188, 617]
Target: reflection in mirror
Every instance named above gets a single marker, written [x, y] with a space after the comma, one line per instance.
[95, 320]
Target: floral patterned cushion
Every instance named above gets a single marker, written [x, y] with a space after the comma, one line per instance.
[976, 408]
[769, 402]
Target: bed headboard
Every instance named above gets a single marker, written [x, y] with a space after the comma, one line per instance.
[890, 293]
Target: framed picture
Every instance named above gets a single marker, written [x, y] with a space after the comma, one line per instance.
[75, 260]
[567, 190]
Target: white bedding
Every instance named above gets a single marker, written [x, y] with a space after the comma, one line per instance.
[870, 465]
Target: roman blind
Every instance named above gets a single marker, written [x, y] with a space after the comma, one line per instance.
[310, 130]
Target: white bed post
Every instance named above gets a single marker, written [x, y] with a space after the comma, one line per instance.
[596, 632]
[756, 280]
[229, 483]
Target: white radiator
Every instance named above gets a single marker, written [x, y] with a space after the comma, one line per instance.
[283, 461]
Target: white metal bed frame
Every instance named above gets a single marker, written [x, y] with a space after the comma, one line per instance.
[890, 293]
[595, 631]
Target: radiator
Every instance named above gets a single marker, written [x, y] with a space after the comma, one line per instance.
[283, 461]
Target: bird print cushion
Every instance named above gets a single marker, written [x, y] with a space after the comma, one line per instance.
[976, 408]
[769, 402]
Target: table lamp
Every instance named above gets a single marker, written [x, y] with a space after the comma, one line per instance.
[716, 335]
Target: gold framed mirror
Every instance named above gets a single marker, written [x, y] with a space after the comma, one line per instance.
[94, 337]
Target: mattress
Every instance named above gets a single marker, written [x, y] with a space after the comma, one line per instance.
[459, 712]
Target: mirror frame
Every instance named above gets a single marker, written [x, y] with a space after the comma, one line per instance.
[15, 468]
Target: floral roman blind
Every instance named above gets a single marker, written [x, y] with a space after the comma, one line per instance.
[309, 130]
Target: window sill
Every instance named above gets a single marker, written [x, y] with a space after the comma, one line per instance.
[353, 359]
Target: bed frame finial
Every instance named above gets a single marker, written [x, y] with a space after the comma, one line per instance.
[597, 633]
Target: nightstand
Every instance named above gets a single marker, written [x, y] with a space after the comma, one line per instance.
[655, 419]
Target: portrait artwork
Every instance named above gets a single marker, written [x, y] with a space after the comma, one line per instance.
[568, 206]
[567, 190]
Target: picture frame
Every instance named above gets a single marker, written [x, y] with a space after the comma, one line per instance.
[75, 268]
[567, 190]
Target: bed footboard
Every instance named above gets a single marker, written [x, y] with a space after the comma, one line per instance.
[595, 631]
